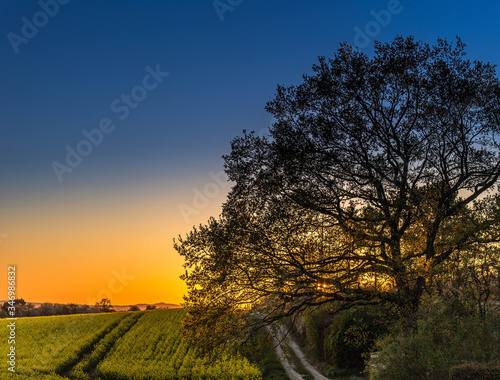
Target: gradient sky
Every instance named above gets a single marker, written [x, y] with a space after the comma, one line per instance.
[106, 230]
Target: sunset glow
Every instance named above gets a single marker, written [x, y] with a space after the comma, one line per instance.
[114, 243]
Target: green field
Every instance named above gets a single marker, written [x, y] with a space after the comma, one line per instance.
[134, 345]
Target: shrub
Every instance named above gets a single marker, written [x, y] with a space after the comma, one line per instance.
[442, 341]
[352, 335]
[473, 371]
[314, 333]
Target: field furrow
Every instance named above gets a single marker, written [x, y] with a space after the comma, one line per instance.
[54, 344]
[144, 345]
[85, 368]
[154, 349]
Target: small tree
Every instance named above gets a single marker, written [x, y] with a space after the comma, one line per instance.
[134, 308]
[19, 304]
[104, 305]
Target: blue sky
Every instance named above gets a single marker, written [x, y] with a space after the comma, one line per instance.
[223, 68]
[221, 75]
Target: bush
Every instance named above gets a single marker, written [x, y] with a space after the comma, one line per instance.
[315, 324]
[351, 337]
[473, 371]
[442, 341]
[259, 349]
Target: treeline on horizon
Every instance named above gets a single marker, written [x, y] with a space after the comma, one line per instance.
[26, 309]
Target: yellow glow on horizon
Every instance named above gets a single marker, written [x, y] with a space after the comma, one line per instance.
[94, 244]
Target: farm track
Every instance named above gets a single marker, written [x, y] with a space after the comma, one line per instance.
[278, 347]
[282, 339]
[87, 365]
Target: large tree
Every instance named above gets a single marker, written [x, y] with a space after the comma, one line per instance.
[377, 171]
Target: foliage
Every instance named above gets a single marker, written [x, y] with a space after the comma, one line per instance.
[445, 338]
[377, 173]
[134, 308]
[473, 371]
[338, 342]
[18, 302]
[352, 336]
[24, 309]
[259, 349]
[314, 331]
[310, 329]
[472, 278]
[104, 305]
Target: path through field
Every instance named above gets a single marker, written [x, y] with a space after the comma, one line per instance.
[292, 374]
[281, 338]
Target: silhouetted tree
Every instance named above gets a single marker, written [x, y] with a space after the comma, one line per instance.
[134, 308]
[30, 310]
[150, 307]
[46, 309]
[377, 171]
[104, 305]
[19, 304]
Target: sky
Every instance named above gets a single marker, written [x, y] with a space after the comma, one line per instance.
[115, 115]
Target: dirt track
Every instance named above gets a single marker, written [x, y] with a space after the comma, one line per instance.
[280, 338]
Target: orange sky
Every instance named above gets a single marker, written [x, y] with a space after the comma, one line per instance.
[103, 242]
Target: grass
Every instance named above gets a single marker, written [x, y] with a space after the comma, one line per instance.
[296, 363]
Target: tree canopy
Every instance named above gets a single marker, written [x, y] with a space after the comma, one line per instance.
[377, 172]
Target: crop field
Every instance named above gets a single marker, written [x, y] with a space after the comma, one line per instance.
[132, 345]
